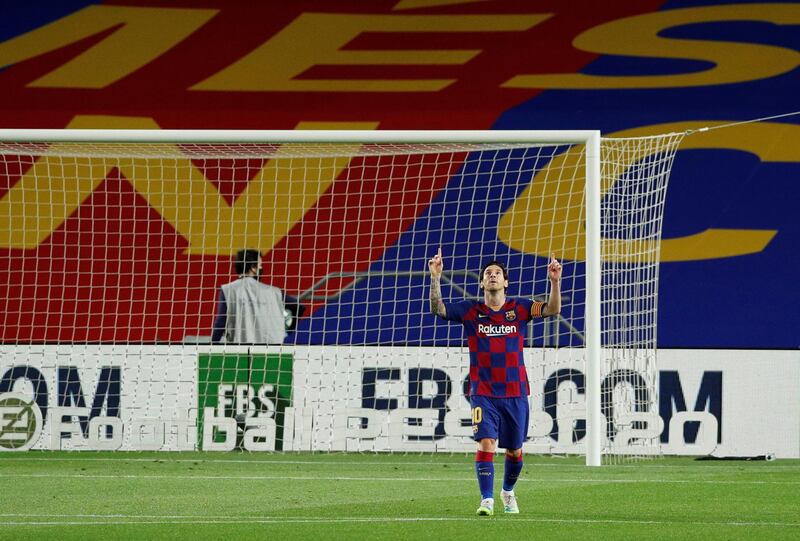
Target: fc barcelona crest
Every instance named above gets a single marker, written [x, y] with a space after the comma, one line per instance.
[511, 315]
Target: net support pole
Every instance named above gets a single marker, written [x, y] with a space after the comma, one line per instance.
[594, 429]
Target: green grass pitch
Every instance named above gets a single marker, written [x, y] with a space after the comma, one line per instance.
[88, 495]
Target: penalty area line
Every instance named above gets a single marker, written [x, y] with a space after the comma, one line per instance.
[532, 461]
[539, 480]
[120, 520]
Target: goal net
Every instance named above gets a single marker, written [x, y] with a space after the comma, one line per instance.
[113, 258]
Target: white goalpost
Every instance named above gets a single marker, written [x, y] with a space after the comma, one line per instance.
[114, 245]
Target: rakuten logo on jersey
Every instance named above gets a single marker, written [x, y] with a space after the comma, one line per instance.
[496, 330]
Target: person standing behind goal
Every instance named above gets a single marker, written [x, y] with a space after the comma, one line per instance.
[499, 385]
[248, 311]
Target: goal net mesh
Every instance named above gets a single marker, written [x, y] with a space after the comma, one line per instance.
[112, 257]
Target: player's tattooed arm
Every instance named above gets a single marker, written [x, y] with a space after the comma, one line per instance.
[435, 265]
[437, 304]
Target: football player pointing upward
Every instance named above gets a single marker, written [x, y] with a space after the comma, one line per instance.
[499, 386]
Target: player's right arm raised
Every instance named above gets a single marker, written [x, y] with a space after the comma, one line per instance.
[435, 265]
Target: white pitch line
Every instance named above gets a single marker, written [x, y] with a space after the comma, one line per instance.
[385, 479]
[251, 462]
[190, 519]
[639, 465]
[531, 463]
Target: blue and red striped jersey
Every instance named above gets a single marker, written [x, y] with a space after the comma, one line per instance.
[496, 340]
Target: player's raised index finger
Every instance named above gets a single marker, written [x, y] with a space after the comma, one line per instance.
[440, 252]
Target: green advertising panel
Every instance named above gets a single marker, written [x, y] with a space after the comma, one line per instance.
[245, 387]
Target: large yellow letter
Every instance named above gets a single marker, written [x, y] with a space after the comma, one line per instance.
[276, 198]
[55, 186]
[555, 207]
[144, 34]
[318, 38]
[638, 36]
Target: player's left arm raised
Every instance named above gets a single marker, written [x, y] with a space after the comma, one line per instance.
[553, 306]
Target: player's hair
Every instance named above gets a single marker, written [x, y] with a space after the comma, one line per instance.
[497, 263]
[245, 260]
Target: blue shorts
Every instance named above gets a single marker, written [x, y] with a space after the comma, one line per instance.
[501, 419]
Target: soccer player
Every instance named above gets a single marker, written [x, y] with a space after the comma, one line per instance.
[499, 386]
